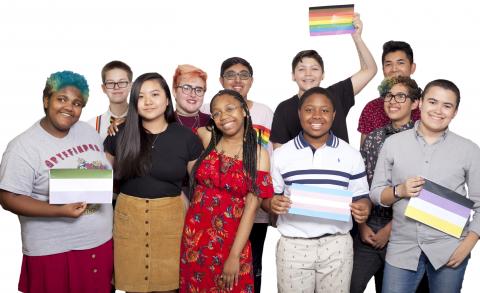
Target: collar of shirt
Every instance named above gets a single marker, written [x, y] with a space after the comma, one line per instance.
[119, 116]
[419, 135]
[390, 130]
[301, 143]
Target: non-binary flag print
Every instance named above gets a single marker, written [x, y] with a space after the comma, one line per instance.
[331, 20]
[440, 208]
[326, 203]
[80, 185]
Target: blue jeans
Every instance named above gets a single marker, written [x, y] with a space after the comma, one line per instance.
[445, 279]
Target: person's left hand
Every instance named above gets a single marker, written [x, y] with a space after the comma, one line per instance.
[459, 255]
[361, 210]
[231, 268]
[358, 25]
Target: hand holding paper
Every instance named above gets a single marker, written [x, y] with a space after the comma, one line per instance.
[360, 210]
[280, 204]
[358, 25]
[411, 187]
[72, 210]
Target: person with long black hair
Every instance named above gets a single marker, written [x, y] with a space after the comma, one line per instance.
[151, 155]
[229, 179]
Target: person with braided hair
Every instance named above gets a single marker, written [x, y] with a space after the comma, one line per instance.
[229, 180]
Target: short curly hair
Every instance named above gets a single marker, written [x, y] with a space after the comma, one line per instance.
[62, 79]
[414, 91]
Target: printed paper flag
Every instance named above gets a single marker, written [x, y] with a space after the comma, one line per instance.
[440, 208]
[326, 203]
[80, 185]
[331, 20]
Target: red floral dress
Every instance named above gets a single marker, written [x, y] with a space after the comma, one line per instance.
[211, 224]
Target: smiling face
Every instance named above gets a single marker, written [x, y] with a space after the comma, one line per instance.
[63, 109]
[152, 101]
[397, 64]
[228, 115]
[399, 113]
[316, 117]
[117, 95]
[242, 86]
[438, 107]
[188, 103]
[307, 74]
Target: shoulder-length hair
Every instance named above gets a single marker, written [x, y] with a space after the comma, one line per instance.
[133, 149]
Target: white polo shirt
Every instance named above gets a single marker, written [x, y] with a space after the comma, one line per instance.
[336, 165]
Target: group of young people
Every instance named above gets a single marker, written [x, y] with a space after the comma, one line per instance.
[195, 183]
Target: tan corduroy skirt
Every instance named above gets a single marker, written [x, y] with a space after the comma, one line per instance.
[146, 235]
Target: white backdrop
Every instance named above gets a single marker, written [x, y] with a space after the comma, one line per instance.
[41, 37]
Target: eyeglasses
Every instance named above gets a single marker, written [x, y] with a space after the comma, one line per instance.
[231, 75]
[229, 109]
[111, 84]
[187, 89]
[399, 98]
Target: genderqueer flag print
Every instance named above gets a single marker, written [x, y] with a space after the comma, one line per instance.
[331, 20]
[440, 208]
[80, 185]
[326, 203]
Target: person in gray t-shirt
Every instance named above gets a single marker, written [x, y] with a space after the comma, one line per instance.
[428, 151]
[61, 243]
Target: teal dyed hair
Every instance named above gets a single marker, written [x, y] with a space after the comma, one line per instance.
[414, 92]
[62, 79]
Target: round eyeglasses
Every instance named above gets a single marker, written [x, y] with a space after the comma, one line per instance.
[187, 89]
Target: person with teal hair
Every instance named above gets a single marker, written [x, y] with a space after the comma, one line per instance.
[66, 248]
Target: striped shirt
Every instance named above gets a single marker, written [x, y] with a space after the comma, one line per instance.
[336, 165]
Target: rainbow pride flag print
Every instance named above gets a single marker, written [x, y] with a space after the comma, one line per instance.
[440, 208]
[80, 185]
[263, 134]
[326, 203]
[331, 20]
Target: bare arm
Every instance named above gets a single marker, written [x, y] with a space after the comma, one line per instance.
[368, 67]
[26, 206]
[362, 138]
[231, 267]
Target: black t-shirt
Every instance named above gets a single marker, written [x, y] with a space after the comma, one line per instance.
[174, 148]
[286, 124]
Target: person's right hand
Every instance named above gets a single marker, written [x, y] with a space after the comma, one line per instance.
[280, 204]
[366, 234]
[113, 128]
[72, 210]
[411, 187]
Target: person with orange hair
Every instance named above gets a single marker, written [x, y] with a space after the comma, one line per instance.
[189, 86]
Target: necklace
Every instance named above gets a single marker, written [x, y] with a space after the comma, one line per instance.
[156, 136]
[226, 164]
[195, 124]
[155, 140]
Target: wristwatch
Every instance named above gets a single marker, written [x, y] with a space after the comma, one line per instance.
[395, 192]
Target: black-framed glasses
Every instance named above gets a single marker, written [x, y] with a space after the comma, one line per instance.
[120, 84]
[231, 75]
[399, 98]
[187, 89]
[229, 109]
